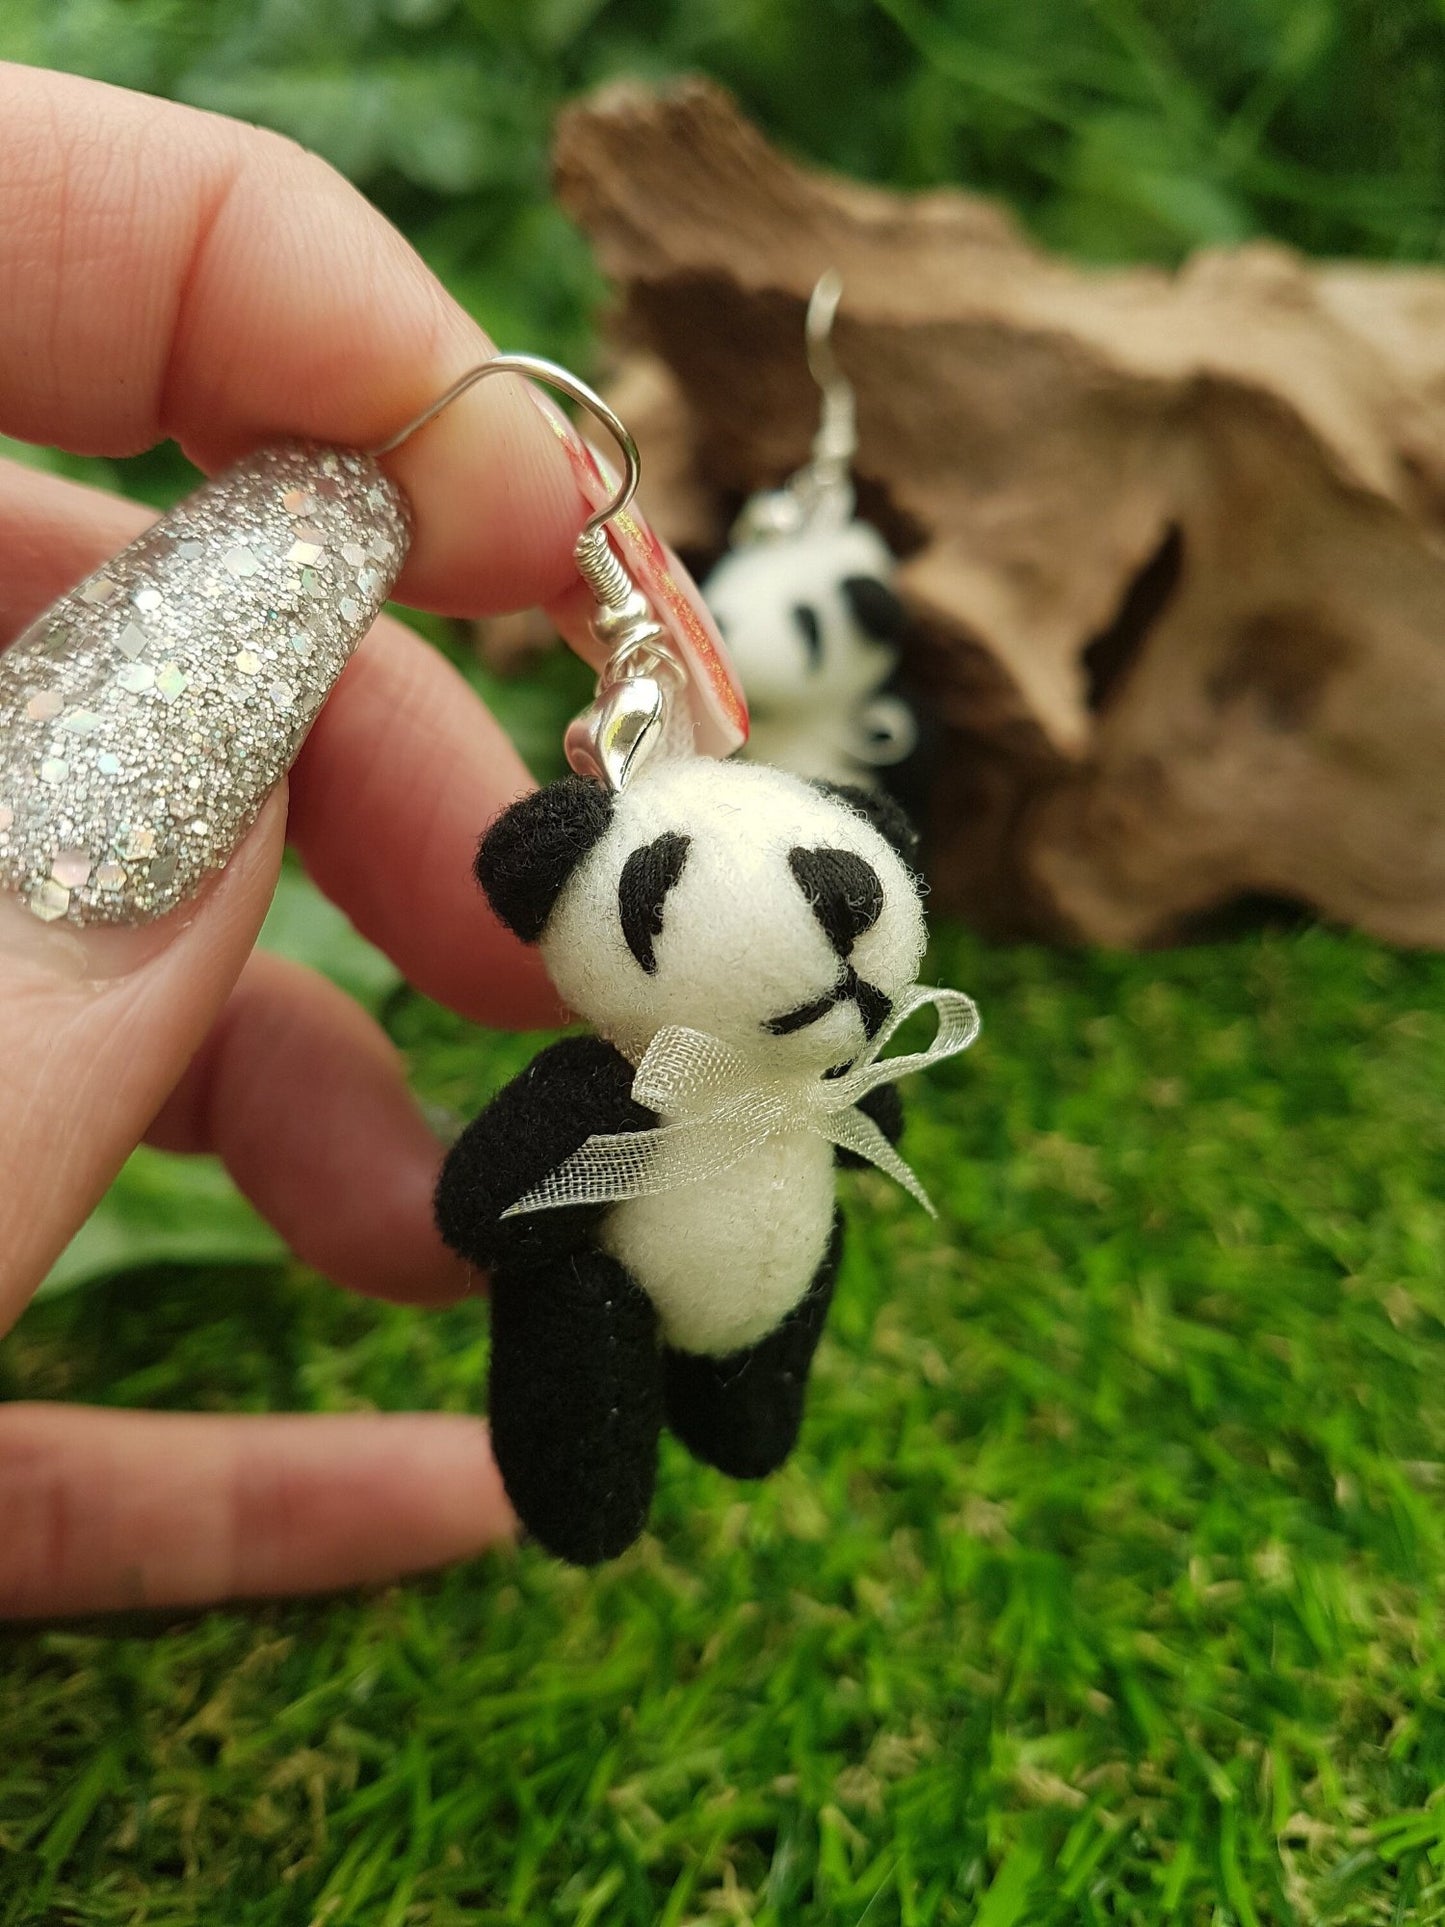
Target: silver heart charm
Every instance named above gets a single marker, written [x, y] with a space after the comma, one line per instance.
[613, 739]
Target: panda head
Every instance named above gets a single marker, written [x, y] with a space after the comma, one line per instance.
[778, 915]
[811, 619]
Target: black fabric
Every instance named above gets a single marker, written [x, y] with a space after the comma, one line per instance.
[575, 1403]
[884, 1105]
[577, 1086]
[846, 896]
[910, 783]
[531, 850]
[877, 610]
[647, 876]
[805, 620]
[874, 1006]
[882, 614]
[842, 890]
[805, 1014]
[886, 816]
[742, 1413]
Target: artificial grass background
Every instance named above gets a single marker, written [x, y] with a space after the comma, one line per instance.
[1107, 1585]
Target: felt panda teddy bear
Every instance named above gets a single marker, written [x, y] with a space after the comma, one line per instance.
[673, 1263]
[814, 626]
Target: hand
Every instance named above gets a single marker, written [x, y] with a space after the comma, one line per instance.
[168, 273]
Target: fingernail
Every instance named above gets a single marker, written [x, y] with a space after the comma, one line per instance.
[58, 952]
[148, 714]
[583, 460]
[44, 953]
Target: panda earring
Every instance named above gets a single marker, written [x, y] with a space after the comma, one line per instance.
[806, 601]
[655, 1201]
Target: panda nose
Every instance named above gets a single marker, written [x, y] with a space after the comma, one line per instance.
[842, 891]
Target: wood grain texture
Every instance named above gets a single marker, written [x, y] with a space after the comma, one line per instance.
[1174, 542]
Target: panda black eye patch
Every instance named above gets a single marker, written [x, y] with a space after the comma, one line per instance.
[842, 891]
[647, 876]
[876, 609]
[805, 619]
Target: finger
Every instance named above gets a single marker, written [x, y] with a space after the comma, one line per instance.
[53, 533]
[403, 770]
[96, 1026]
[306, 1101]
[169, 272]
[102, 1511]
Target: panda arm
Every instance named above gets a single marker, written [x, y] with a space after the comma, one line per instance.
[884, 1105]
[576, 1088]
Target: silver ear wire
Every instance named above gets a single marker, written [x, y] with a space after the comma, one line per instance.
[611, 740]
[820, 494]
[829, 472]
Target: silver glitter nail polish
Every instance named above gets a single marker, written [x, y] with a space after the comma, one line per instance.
[147, 715]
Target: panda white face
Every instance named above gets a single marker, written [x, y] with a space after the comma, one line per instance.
[735, 899]
[810, 620]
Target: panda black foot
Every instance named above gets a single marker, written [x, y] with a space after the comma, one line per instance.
[576, 1404]
[742, 1413]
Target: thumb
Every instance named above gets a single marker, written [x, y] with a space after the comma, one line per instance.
[96, 1026]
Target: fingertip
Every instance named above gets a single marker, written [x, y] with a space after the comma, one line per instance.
[449, 1457]
[497, 509]
[173, 273]
[360, 350]
[104, 1510]
[324, 1502]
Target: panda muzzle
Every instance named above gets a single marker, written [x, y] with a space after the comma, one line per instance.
[874, 1007]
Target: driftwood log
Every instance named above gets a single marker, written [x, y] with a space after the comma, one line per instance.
[1174, 543]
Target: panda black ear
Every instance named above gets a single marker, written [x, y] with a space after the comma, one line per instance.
[891, 822]
[527, 855]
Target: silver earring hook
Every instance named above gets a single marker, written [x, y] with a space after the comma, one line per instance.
[629, 718]
[820, 494]
[836, 442]
[552, 375]
[818, 329]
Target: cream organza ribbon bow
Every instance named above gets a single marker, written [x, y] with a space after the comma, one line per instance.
[720, 1111]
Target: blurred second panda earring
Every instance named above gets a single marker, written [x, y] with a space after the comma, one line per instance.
[805, 598]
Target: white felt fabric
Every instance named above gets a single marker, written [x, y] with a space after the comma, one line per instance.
[739, 944]
[807, 710]
[726, 1261]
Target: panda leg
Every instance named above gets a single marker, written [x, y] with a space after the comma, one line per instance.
[576, 1403]
[742, 1412]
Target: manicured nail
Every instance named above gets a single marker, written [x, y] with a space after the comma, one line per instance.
[148, 714]
[44, 953]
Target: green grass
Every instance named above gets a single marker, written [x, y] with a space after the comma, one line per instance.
[1107, 1585]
